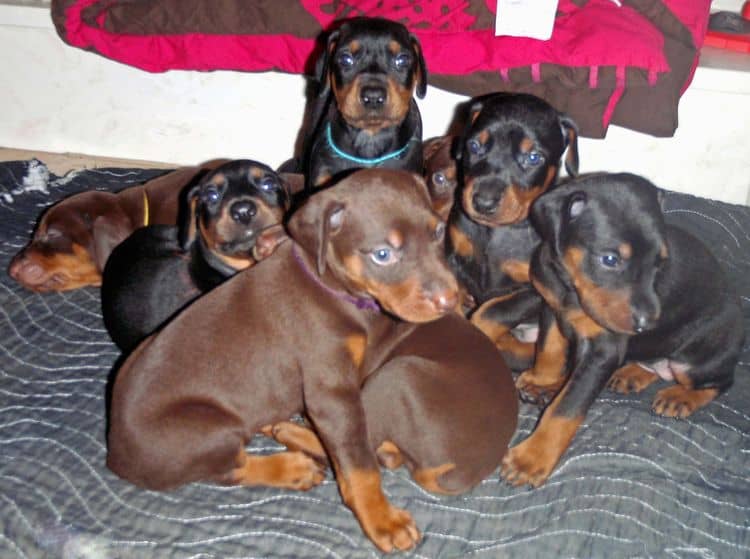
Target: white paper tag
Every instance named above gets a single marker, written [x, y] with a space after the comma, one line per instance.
[525, 18]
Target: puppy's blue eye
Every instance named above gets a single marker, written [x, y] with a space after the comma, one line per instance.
[268, 183]
[534, 158]
[438, 178]
[383, 256]
[474, 147]
[211, 195]
[610, 260]
[346, 60]
[440, 231]
[402, 61]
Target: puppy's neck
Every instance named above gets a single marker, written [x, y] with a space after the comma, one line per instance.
[329, 284]
[206, 268]
[370, 143]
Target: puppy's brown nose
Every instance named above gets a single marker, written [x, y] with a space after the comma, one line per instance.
[444, 299]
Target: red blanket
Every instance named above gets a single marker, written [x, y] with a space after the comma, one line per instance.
[604, 64]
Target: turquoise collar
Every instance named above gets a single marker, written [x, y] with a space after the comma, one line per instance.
[367, 162]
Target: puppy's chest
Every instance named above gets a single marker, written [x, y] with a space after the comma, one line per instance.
[499, 260]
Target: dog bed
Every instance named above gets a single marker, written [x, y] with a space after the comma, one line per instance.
[608, 61]
[632, 484]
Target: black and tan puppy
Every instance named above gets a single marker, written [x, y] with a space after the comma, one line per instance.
[365, 114]
[234, 219]
[634, 300]
[390, 373]
[510, 154]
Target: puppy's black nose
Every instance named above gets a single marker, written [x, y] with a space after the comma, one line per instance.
[484, 204]
[642, 322]
[373, 96]
[243, 211]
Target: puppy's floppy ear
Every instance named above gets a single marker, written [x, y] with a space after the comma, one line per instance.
[108, 231]
[421, 67]
[324, 64]
[314, 223]
[472, 112]
[570, 134]
[554, 211]
[189, 216]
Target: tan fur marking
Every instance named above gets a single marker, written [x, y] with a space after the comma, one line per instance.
[461, 242]
[429, 478]
[526, 145]
[608, 307]
[394, 47]
[355, 346]
[631, 378]
[549, 297]
[583, 324]
[550, 363]
[289, 470]
[625, 250]
[680, 401]
[532, 461]
[517, 270]
[389, 455]
[296, 437]
[66, 271]
[395, 238]
[515, 204]
[664, 251]
[387, 526]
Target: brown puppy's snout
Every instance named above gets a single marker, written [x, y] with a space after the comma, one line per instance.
[444, 299]
[243, 211]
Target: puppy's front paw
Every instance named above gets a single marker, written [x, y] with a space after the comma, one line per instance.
[392, 529]
[524, 464]
[533, 393]
[679, 401]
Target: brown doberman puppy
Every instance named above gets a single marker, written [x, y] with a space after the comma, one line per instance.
[353, 324]
[75, 236]
[440, 173]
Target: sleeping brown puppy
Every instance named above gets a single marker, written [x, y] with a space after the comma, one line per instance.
[75, 236]
[353, 324]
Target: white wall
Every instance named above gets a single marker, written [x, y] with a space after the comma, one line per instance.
[60, 99]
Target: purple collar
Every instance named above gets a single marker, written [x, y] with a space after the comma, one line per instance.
[362, 303]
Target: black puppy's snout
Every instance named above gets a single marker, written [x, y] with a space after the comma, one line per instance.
[243, 211]
[373, 96]
[484, 203]
[643, 321]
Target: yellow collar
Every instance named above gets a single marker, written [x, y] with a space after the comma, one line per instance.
[145, 208]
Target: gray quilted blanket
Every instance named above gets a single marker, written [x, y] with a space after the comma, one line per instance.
[631, 485]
